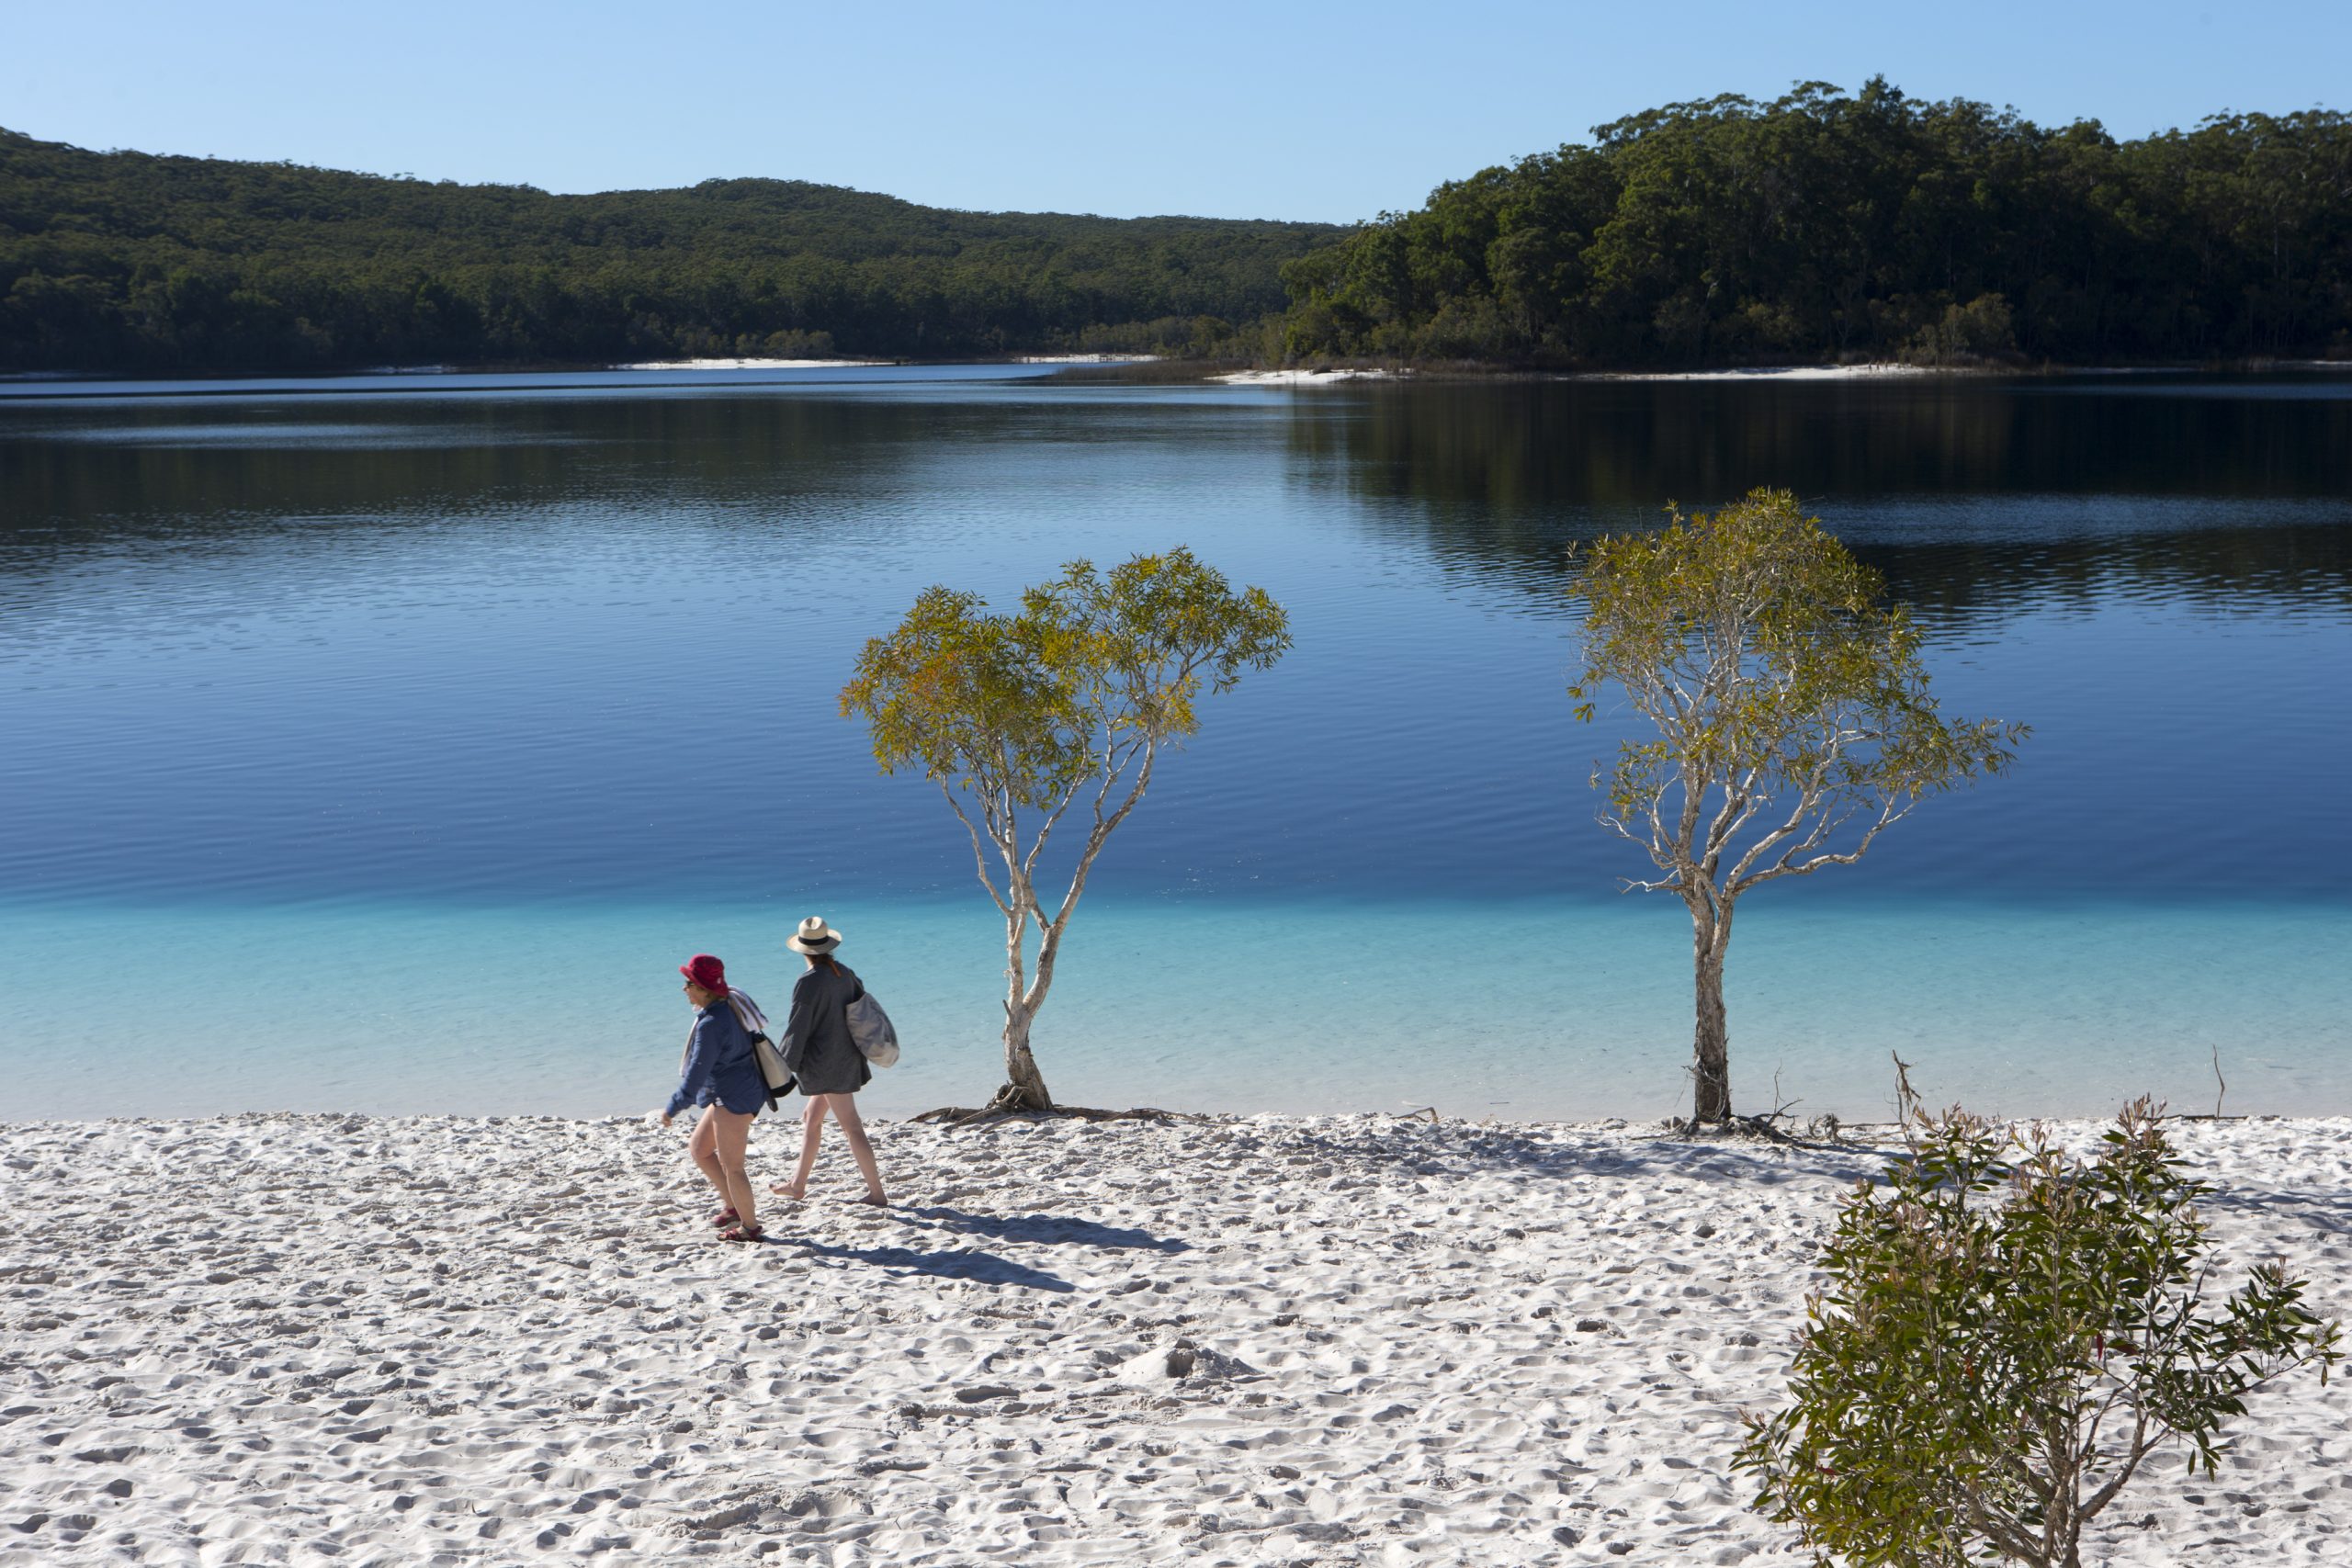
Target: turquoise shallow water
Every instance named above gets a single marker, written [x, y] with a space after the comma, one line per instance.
[383, 745]
[1518, 1009]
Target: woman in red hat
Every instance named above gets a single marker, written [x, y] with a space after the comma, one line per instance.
[720, 1075]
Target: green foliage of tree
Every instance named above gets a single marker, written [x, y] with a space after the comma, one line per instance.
[1825, 226]
[1018, 718]
[2008, 1334]
[126, 261]
[1793, 717]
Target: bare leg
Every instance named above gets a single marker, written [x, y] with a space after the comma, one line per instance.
[704, 1148]
[733, 1134]
[812, 1128]
[844, 1107]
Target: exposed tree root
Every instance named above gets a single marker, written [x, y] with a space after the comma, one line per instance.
[1009, 1102]
[1766, 1127]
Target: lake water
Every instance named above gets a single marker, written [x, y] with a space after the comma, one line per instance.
[383, 744]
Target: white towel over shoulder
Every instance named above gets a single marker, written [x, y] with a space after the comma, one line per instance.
[748, 1013]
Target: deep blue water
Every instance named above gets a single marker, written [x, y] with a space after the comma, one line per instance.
[380, 740]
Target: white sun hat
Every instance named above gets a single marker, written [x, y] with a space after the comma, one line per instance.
[814, 937]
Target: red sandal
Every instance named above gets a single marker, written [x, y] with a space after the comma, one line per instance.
[725, 1217]
[742, 1233]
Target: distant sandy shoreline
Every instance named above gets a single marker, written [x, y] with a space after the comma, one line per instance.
[1342, 375]
[1331, 376]
[1784, 373]
[1339, 375]
[1336, 1340]
[859, 364]
[751, 363]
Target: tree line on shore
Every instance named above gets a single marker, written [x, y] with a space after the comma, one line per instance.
[1822, 225]
[1830, 226]
[126, 261]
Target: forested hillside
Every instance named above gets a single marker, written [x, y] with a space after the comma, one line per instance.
[126, 261]
[1825, 226]
[1819, 226]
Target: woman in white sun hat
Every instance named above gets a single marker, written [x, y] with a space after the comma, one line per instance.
[824, 1061]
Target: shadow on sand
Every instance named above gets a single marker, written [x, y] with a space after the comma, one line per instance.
[981, 1268]
[1045, 1230]
[987, 1267]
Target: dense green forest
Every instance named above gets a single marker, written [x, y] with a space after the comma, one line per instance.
[1828, 226]
[123, 261]
[1819, 226]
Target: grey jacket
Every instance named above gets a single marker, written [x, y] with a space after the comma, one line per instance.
[816, 1043]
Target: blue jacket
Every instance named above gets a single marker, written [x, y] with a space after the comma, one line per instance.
[719, 1064]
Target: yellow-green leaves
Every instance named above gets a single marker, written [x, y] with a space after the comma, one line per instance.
[1759, 648]
[1136, 646]
[972, 699]
[1029, 704]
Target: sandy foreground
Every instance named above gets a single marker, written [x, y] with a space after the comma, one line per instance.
[281, 1338]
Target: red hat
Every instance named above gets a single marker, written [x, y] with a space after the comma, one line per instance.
[707, 971]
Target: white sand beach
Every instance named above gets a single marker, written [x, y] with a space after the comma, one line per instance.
[1331, 378]
[1874, 372]
[279, 1339]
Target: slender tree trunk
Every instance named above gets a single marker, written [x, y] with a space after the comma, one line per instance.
[1711, 1042]
[1024, 1086]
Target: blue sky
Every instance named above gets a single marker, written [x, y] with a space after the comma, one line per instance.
[1302, 110]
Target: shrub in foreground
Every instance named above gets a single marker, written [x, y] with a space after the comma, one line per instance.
[2007, 1333]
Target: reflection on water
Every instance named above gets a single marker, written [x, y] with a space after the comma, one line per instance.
[573, 642]
[312, 437]
[263, 645]
[1970, 495]
[147, 467]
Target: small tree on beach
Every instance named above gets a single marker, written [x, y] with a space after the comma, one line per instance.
[1792, 718]
[2008, 1334]
[1017, 718]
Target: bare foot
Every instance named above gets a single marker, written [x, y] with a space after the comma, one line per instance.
[788, 1189]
